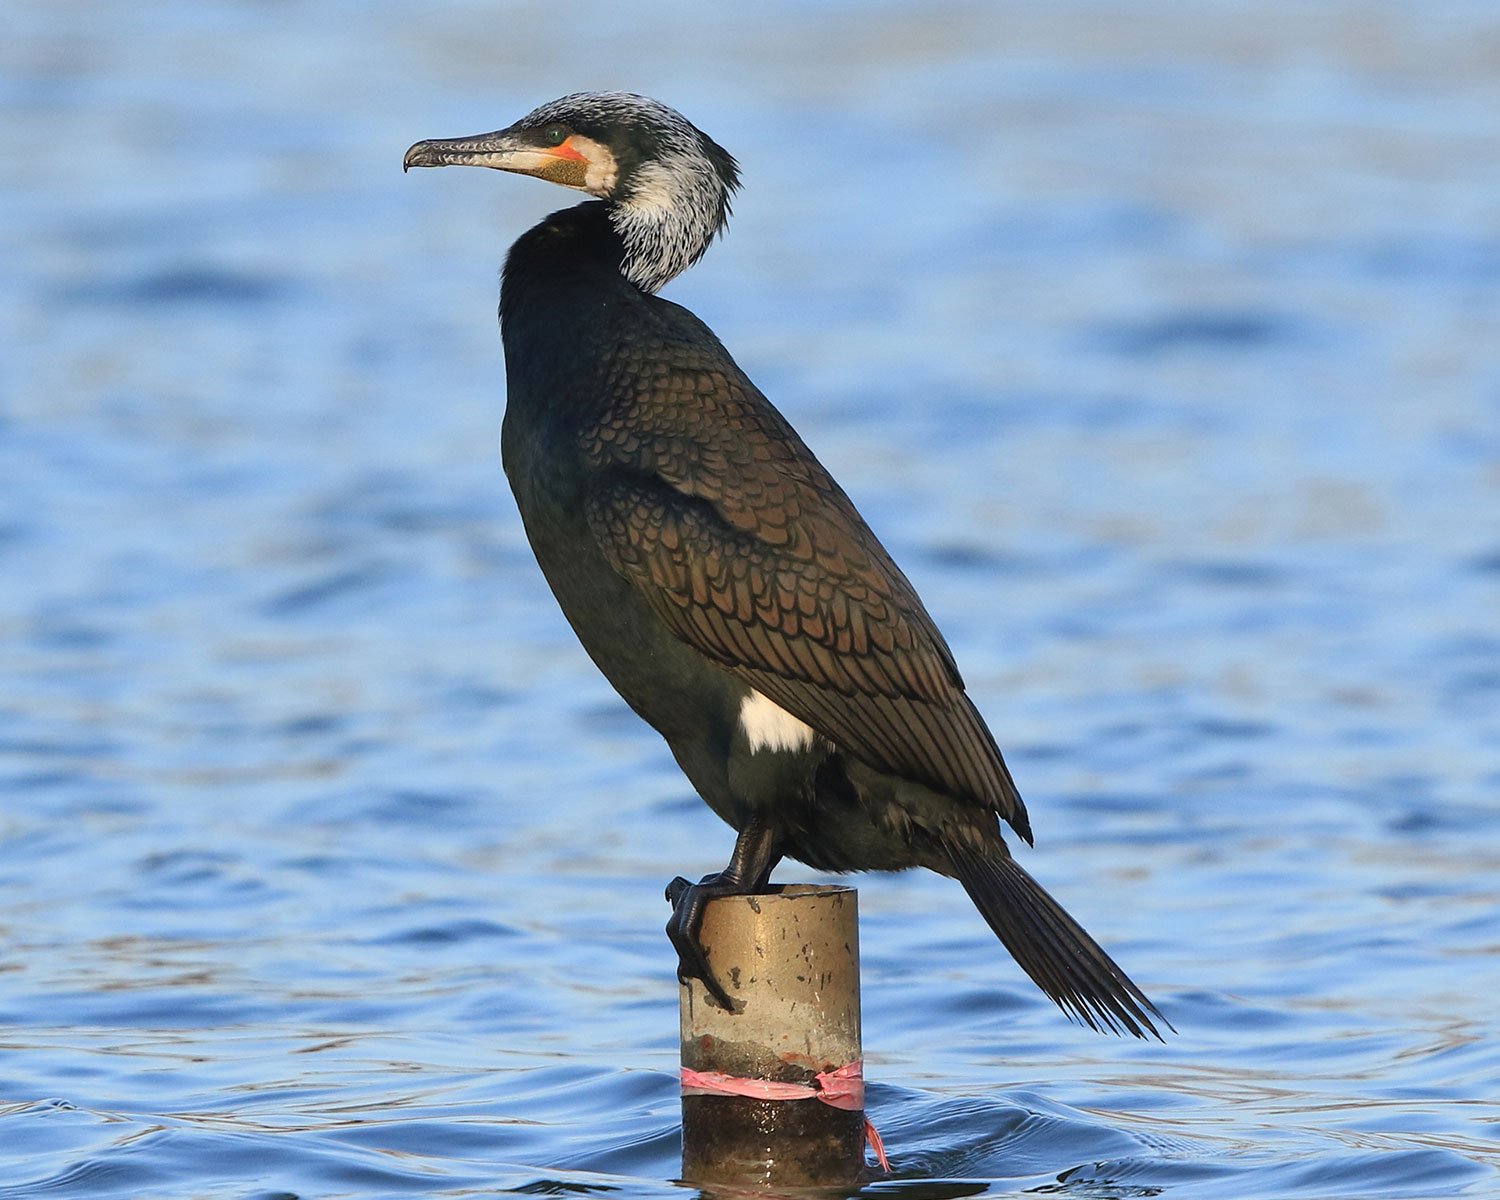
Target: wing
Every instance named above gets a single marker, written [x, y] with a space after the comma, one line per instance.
[708, 502]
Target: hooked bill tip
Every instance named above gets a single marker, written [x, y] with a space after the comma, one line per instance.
[422, 154]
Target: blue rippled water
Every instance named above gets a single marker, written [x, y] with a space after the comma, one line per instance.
[1157, 340]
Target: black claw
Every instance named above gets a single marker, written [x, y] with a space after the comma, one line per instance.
[756, 853]
[688, 902]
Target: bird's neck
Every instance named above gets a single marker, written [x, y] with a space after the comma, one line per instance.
[667, 220]
[574, 253]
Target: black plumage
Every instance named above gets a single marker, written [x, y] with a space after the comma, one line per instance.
[716, 573]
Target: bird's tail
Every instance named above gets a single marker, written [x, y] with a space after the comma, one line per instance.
[1052, 948]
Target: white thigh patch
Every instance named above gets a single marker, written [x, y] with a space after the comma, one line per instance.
[768, 726]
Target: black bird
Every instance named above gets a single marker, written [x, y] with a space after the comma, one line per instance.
[715, 572]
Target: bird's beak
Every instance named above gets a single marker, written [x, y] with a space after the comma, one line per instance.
[503, 150]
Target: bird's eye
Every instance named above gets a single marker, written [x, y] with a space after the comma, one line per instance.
[554, 135]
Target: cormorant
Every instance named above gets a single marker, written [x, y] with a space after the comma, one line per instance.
[718, 576]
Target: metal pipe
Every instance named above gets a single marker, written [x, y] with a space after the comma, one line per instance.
[790, 960]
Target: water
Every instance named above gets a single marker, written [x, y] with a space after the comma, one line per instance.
[1157, 340]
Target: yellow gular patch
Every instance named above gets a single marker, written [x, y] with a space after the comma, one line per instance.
[566, 166]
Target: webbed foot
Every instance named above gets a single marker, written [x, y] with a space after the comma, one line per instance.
[755, 856]
[688, 901]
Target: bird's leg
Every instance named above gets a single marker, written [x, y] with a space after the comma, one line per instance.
[757, 850]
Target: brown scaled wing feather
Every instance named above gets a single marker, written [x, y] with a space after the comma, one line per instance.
[709, 503]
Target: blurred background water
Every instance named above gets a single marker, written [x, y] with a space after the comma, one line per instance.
[1159, 340]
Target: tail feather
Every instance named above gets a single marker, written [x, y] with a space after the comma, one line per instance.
[1052, 948]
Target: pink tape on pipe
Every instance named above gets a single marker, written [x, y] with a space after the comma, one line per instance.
[843, 1087]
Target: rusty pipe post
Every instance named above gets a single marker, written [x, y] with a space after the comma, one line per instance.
[790, 960]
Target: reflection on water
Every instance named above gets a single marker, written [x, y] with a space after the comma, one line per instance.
[1158, 344]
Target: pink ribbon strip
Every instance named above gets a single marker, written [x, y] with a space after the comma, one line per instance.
[843, 1087]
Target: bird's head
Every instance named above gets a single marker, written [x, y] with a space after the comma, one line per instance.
[667, 183]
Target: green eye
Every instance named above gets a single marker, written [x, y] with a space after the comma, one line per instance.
[555, 135]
